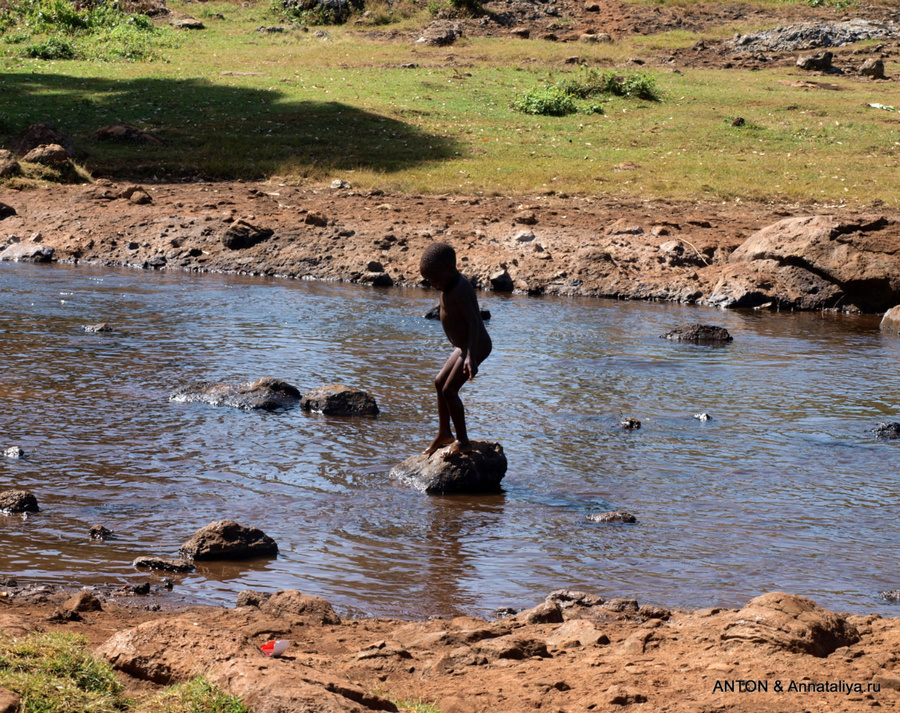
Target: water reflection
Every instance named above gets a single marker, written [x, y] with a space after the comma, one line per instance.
[783, 489]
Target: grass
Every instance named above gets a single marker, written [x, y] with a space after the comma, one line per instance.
[55, 673]
[231, 102]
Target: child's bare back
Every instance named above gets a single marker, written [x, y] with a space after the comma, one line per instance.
[462, 323]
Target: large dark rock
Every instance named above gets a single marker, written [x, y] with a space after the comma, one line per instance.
[791, 623]
[818, 62]
[479, 471]
[339, 400]
[226, 540]
[40, 135]
[699, 334]
[27, 252]
[266, 394]
[242, 234]
[14, 501]
[887, 431]
[165, 565]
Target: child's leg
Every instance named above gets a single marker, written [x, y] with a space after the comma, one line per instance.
[445, 435]
[453, 383]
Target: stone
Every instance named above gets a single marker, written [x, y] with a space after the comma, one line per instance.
[187, 23]
[544, 613]
[873, 68]
[624, 696]
[9, 701]
[241, 235]
[613, 516]
[624, 227]
[27, 252]
[165, 565]
[887, 431]
[99, 532]
[891, 596]
[523, 33]
[374, 266]
[576, 633]
[703, 416]
[621, 606]
[320, 220]
[441, 33]
[338, 184]
[6, 211]
[699, 334]
[479, 471]
[265, 394]
[891, 320]
[125, 133]
[595, 38]
[300, 608]
[377, 279]
[99, 327]
[826, 261]
[9, 167]
[47, 155]
[339, 400]
[569, 599]
[592, 6]
[40, 134]
[227, 540]
[648, 611]
[16, 501]
[819, 62]
[791, 623]
[250, 598]
[512, 646]
[524, 236]
[501, 281]
[14, 452]
[630, 424]
[83, 601]
[140, 197]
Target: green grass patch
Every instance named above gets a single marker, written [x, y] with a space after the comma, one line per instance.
[235, 103]
[56, 673]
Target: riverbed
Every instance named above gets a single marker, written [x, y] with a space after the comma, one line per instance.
[784, 488]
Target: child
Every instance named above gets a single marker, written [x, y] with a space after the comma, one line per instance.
[462, 324]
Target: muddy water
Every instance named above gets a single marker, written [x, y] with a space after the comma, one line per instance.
[784, 489]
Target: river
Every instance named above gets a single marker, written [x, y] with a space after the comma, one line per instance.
[785, 488]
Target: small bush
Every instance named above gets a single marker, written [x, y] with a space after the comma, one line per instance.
[53, 48]
[545, 101]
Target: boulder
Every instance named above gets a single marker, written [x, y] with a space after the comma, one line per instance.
[82, 602]
[630, 424]
[501, 281]
[47, 155]
[263, 394]
[512, 646]
[9, 167]
[850, 262]
[241, 234]
[612, 516]
[165, 565]
[891, 320]
[40, 134]
[887, 431]
[377, 279]
[227, 540]
[187, 23]
[339, 400]
[790, 623]
[818, 62]
[99, 532]
[250, 598]
[873, 68]
[297, 607]
[479, 471]
[15, 501]
[441, 33]
[699, 334]
[27, 252]
[14, 452]
[547, 612]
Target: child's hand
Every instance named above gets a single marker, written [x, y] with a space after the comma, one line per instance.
[470, 368]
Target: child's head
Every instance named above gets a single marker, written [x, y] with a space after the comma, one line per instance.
[438, 264]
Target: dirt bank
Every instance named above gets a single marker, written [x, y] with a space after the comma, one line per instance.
[573, 653]
[601, 247]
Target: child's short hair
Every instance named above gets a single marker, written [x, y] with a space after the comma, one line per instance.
[437, 257]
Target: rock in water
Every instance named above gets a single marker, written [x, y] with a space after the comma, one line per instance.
[887, 431]
[227, 540]
[339, 400]
[266, 394]
[699, 334]
[479, 471]
[16, 501]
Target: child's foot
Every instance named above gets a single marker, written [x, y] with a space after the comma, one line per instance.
[443, 439]
[455, 449]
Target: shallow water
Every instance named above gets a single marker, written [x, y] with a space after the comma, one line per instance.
[784, 489]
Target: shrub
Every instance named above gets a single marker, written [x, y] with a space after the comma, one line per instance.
[545, 101]
[53, 48]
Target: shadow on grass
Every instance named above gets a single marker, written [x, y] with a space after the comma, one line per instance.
[211, 130]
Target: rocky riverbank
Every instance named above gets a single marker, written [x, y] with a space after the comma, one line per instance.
[728, 255]
[572, 653]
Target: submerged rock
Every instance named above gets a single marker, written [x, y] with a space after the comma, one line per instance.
[339, 400]
[166, 565]
[14, 452]
[15, 501]
[95, 328]
[99, 532]
[612, 516]
[699, 334]
[479, 471]
[226, 539]
[265, 394]
[887, 431]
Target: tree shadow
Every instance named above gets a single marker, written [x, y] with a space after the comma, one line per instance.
[211, 130]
